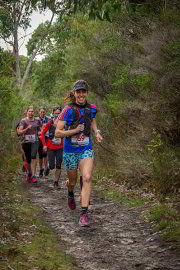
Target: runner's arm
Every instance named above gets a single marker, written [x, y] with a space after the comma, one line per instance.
[99, 138]
[42, 135]
[23, 130]
[60, 132]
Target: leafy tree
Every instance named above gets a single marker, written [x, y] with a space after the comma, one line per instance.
[45, 74]
[94, 8]
[53, 47]
[7, 63]
[15, 14]
[105, 9]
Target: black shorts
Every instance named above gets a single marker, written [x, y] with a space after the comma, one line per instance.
[30, 150]
[55, 158]
[41, 152]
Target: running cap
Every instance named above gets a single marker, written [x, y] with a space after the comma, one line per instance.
[81, 84]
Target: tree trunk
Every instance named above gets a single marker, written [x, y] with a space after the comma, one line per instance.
[16, 53]
[24, 79]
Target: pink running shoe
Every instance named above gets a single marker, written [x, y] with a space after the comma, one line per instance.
[33, 179]
[71, 203]
[83, 221]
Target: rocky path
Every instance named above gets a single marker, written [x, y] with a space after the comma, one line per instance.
[119, 240]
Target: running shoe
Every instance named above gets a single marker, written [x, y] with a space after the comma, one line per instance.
[56, 184]
[83, 221]
[46, 172]
[71, 203]
[33, 179]
[41, 173]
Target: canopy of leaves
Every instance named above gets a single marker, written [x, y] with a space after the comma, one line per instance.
[40, 39]
[7, 63]
[46, 73]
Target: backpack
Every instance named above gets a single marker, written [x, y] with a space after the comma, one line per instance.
[17, 126]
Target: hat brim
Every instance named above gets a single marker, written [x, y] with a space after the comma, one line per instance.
[80, 88]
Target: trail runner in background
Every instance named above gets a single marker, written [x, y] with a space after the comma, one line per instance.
[43, 161]
[53, 146]
[75, 124]
[25, 164]
[28, 128]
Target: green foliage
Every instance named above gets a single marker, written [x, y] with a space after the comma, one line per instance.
[46, 73]
[127, 199]
[165, 165]
[101, 9]
[171, 53]
[106, 9]
[11, 107]
[15, 15]
[170, 16]
[159, 212]
[91, 52]
[115, 103]
[6, 24]
[5, 91]
[143, 82]
[40, 39]
[130, 84]
[131, 65]
[23, 63]
[166, 220]
[28, 242]
[7, 63]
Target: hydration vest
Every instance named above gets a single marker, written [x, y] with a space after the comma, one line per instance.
[78, 118]
[44, 120]
[51, 131]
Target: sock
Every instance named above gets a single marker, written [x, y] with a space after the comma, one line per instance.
[71, 194]
[81, 182]
[84, 210]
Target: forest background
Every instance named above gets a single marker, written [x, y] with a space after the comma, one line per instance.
[129, 53]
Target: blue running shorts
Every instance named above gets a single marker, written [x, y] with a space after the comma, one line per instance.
[71, 160]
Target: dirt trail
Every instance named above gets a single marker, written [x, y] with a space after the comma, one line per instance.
[119, 240]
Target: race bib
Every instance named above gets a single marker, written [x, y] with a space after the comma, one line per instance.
[56, 141]
[81, 140]
[30, 138]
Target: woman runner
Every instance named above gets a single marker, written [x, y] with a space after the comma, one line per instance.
[25, 164]
[29, 127]
[53, 146]
[43, 161]
[75, 123]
